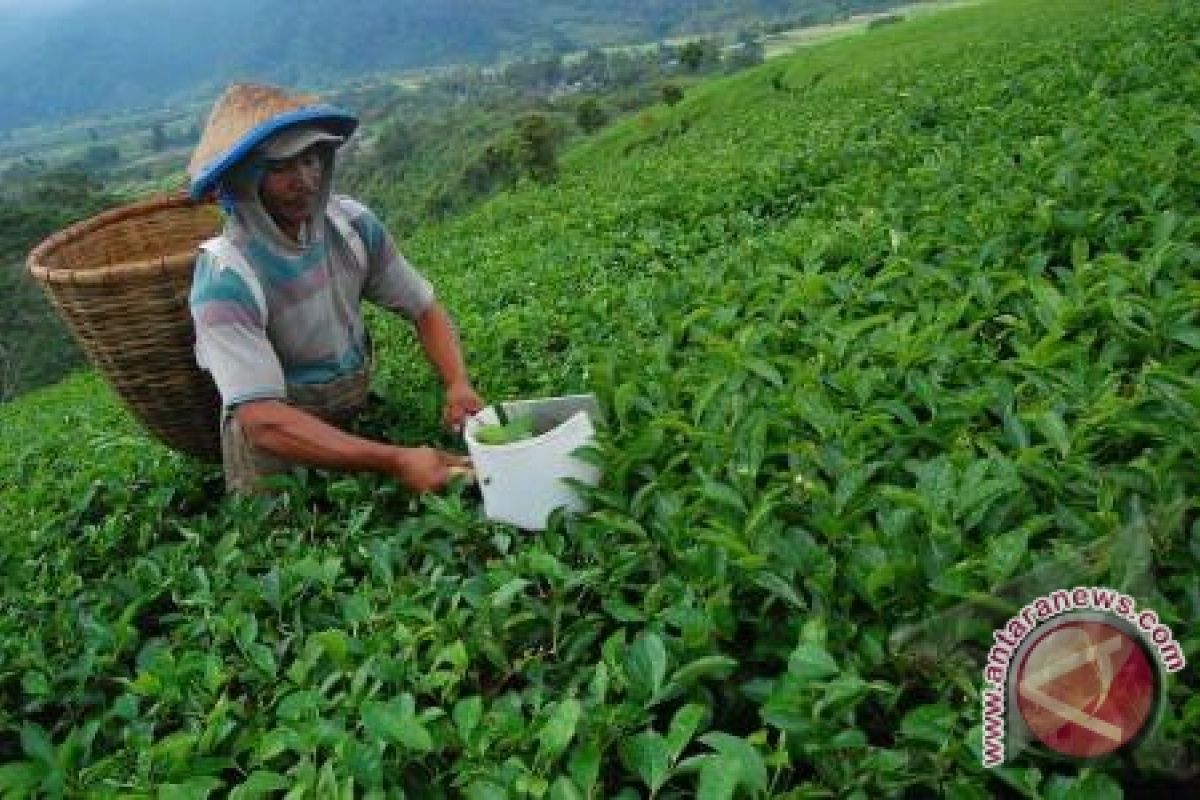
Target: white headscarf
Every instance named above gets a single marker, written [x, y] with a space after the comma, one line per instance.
[247, 217]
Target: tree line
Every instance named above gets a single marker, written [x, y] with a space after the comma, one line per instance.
[474, 131]
[35, 347]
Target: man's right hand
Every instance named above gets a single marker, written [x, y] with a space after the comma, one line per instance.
[294, 435]
[426, 469]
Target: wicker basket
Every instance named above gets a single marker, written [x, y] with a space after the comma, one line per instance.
[120, 280]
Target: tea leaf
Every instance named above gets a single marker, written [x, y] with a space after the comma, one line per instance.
[504, 596]
[648, 755]
[750, 767]
[715, 667]
[564, 789]
[719, 778]
[780, 588]
[192, 789]
[391, 723]
[21, 778]
[559, 729]
[36, 744]
[1005, 553]
[683, 727]
[259, 784]
[486, 790]
[467, 714]
[930, 723]
[646, 664]
[811, 662]
[1052, 426]
[1086, 786]
[584, 765]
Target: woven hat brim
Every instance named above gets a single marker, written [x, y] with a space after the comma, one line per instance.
[337, 121]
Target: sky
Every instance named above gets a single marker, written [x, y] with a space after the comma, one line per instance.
[9, 6]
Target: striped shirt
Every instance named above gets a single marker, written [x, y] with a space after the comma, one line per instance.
[266, 318]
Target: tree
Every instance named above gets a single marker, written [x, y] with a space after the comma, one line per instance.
[158, 138]
[99, 156]
[590, 116]
[536, 72]
[591, 69]
[631, 69]
[885, 20]
[536, 139]
[748, 52]
[396, 142]
[671, 94]
[693, 55]
[35, 348]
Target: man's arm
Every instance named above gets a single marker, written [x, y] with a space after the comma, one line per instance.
[297, 436]
[435, 330]
[395, 284]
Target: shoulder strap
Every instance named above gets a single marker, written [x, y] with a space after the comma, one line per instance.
[347, 231]
[228, 256]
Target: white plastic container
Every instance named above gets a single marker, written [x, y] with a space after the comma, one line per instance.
[522, 482]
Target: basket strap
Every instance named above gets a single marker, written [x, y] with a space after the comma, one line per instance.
[348, 232]
[227, 253]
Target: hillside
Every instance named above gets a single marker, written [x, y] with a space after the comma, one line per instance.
[892, 336]
[85, 57]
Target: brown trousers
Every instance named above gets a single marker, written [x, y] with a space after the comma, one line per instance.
[337, 402]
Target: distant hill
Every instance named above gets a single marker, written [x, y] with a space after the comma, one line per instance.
[67, 59]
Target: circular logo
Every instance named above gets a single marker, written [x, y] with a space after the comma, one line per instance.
[1086, 688]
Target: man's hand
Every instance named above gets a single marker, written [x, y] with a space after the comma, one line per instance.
[440, 342]
[297, 436]
[425, 469]
[461, 400]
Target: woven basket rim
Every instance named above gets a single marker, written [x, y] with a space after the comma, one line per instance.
[123, 273]
[120, 283]
[117, 273]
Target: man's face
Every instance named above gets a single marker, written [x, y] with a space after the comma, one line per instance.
[289, 189]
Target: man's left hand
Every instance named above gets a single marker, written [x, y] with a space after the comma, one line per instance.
[461, 400]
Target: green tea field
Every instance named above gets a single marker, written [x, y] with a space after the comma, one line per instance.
[891, 335]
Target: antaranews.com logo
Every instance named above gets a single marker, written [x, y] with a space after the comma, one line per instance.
[1083, 670]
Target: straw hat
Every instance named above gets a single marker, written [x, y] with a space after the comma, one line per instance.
[244, 117]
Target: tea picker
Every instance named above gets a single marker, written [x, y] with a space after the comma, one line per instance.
[277, 298]
[241, 337]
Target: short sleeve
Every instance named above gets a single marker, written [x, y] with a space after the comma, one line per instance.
[392, 282]
[231, 337]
